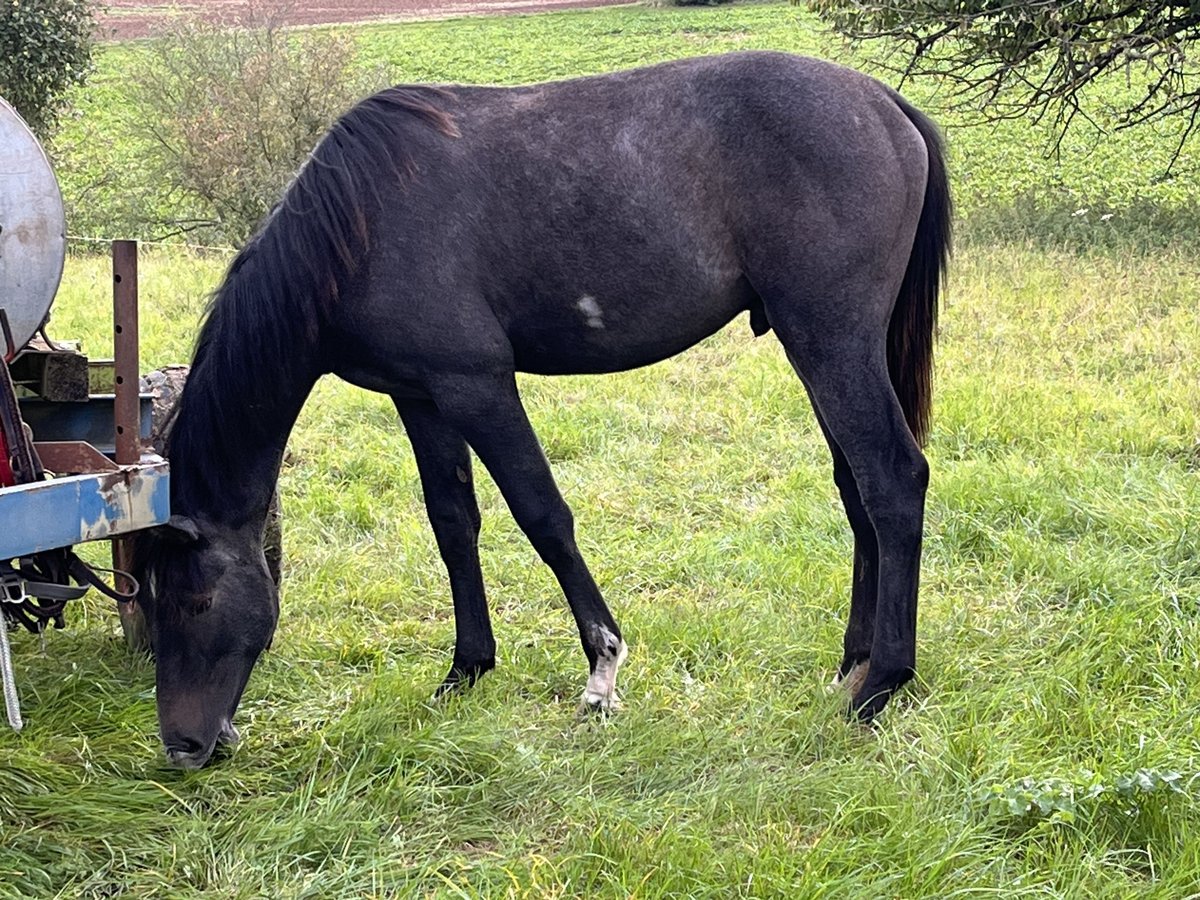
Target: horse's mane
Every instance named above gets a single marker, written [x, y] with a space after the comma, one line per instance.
[263, 322]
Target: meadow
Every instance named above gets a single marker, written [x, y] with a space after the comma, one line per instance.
[1049, 748]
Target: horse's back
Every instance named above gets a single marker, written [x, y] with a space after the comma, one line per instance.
[609, 221]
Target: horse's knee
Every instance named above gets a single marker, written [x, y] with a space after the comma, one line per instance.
[454, 520]
[553, 536]
[917, 471]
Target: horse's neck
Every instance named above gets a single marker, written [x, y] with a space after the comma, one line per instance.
[227, 442]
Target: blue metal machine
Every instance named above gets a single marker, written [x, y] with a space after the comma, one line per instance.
[75, 463]
[68, 510]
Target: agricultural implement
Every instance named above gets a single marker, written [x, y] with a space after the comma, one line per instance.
[75, 460]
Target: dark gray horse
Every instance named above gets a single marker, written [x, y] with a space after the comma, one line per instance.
[441, 239]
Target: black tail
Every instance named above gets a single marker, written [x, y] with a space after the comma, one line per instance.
[914, 320]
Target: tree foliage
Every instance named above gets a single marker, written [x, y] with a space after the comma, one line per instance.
[230, 110]
[1015, 58]
[45, 48]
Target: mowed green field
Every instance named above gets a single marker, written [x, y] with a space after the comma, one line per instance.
[1049, 748]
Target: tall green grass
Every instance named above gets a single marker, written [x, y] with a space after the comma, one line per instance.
[1049, 748]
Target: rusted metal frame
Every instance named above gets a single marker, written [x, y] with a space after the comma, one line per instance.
[126, 413]
[73, 458]
[102, 499]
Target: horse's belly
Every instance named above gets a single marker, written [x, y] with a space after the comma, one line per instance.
[592, 334]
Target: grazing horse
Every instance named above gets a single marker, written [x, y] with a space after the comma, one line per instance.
[441, 239]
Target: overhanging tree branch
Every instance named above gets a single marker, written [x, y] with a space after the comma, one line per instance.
[1036, 59]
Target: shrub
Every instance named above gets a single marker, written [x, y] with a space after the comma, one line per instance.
[45, 48]
[230, 113]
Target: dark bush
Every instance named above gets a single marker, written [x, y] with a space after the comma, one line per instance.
[229, 113]
[45, 48]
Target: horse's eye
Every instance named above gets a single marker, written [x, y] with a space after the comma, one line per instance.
[201, 604]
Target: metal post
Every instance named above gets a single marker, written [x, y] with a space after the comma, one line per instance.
[127, 410]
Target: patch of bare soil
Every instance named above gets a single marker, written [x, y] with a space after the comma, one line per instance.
[125, 19]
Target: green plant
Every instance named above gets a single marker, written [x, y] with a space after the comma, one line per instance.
[1058, 800]
[1039, 60]
[230, 113]
[45, 48]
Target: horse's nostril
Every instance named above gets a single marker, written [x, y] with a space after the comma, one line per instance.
[228, 734]
[182, 746]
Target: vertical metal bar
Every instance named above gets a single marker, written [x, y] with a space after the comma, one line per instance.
[126, 412]
[133, 623]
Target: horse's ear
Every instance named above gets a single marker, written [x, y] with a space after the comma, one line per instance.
[180, 530]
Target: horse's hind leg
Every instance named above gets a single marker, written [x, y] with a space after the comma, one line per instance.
[487, 410]
[846, 373]
[864, 589]
[444, 464]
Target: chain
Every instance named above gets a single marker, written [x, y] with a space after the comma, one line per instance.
[13, 592]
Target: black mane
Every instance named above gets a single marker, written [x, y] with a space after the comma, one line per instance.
[260, 331]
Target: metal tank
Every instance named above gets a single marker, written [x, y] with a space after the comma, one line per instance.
[33, 229]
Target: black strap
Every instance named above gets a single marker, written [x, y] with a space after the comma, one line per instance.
[86, 575]
[43, 582]
[45, 590]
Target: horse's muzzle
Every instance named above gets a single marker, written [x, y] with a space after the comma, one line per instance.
[188, 754]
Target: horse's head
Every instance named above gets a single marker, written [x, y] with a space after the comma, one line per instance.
[211, 608]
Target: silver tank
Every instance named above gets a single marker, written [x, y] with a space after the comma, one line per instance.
[33, 236]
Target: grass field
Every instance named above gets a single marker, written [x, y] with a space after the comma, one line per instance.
[1050, 748]
[1097, 191]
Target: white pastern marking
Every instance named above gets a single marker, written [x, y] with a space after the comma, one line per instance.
[601, 690]
[852, 680]
[591, 310]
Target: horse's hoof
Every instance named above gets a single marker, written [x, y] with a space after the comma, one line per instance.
[593, 705]
[852, 681]
[461, 677]
[600, 695]
[229, 735]
[862, 711]
[874, 693]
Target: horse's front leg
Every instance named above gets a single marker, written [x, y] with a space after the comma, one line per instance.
[445, 467]
[487, 410]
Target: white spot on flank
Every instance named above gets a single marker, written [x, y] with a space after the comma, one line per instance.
[591, 310]
[601, 690]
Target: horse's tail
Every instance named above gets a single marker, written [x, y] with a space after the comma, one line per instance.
[913, 326]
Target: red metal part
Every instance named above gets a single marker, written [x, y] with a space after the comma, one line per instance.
[6, 472]
[22, 462]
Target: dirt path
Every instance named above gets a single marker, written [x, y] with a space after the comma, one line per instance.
[126, 19]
